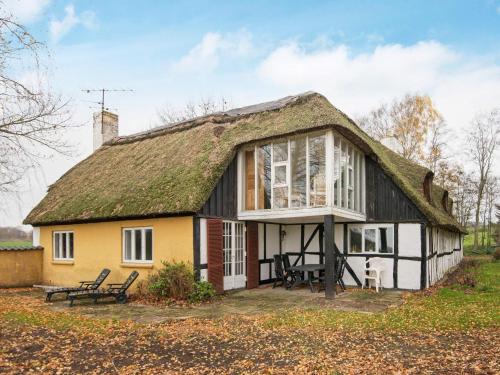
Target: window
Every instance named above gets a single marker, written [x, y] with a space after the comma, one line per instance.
[371, 239]
[303, 171]
[63, 245]
[280, 180]
[250, 180]
[356, 236]
[317, 178]
[138, 245]
[264, 175]
[298, 171]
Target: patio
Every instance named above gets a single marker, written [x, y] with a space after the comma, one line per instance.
[263, 300]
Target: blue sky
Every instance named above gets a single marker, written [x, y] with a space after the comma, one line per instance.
[359, 54]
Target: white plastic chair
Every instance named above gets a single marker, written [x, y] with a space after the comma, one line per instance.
[373, 271]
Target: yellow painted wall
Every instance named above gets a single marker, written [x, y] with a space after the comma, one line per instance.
[20, 268]
[99, 245]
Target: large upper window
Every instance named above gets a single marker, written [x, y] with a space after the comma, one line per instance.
[371, 239]
[63, 245]
[312, 170]
[138, 245]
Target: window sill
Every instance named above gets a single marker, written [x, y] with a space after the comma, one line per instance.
[136, 265]
[64, 262]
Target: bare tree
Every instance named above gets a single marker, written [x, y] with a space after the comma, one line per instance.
[482, 142]
[169, 115]
[409, 120]
[31, 117]
[490, 194]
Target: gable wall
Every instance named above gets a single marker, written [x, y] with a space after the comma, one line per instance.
[385, 201]
[223, 201]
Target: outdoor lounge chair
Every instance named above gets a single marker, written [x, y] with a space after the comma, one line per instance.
[341, 265]
[293, 275]
[84, 285]
[117, 291]
[280, 272]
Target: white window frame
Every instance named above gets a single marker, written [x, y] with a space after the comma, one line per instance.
[356, 165]
[60, 233]
[363, 227]
[143, 245]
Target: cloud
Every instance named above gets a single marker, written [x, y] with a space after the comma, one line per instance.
[26, 11]
[460, 85]
[59, 28]
[205, 56]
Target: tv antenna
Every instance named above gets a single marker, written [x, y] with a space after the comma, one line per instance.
[103, 91]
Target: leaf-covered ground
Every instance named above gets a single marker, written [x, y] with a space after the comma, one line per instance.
[452, 329]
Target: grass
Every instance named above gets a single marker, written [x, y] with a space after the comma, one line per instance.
[448, 308]
[469, 242]
[15, 243]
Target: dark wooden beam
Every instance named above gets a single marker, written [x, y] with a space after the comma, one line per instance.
[396, 256]
[330, 256]
[423, 264]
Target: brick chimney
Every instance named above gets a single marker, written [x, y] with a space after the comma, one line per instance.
[105, 127]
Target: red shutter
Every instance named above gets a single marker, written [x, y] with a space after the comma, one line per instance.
[214, 254]
[252, 255]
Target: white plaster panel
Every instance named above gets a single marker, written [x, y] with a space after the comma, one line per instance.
[36, 236]
[272, 240]
[204, 275]
[339, 236]
[312, 259]
[264, 271]
[408, 274]
[203, 241]
[292, 238]
[358, 265]
[308, 230]
[409, 240]
[261, 240]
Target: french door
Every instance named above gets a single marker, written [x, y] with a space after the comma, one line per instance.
[233, 247]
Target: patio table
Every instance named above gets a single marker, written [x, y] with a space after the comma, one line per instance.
[310, 269]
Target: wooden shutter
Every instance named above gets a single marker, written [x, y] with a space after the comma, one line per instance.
[214, 254]
[252, 255]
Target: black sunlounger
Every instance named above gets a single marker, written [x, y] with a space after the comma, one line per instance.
[117, 291]
[84, 285]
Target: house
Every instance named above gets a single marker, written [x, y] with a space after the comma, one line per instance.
[228, 191]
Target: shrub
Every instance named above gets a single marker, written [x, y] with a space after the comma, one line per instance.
[203, 291]
[496, 254]
[174, 280]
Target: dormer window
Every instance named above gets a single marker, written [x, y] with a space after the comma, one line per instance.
[428, 186]
[445, 202]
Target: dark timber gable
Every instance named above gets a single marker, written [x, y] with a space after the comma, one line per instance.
[385, 201]
[223, 199]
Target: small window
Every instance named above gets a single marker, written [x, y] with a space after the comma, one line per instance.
[138, 245]
[356, 240]
[371, 239]
[63, 245]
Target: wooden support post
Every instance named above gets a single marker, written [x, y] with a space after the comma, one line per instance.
[330, 257]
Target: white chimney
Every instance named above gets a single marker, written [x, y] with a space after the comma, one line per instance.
[105, 127]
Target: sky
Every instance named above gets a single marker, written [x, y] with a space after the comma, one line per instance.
[359, 54]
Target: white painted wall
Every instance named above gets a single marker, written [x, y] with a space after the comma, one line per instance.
[203, 249]
[409, 240]
[36, 236]
[408, 274]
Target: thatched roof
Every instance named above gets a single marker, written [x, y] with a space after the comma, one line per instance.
[172, 170]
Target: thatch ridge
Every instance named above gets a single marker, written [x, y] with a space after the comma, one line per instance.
[174, 169]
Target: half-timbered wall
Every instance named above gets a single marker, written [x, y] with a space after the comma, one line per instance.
[445, 252]
[385, 201]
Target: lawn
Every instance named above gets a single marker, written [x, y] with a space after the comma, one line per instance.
[15, 243]
[469, 242]
[449, 329]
